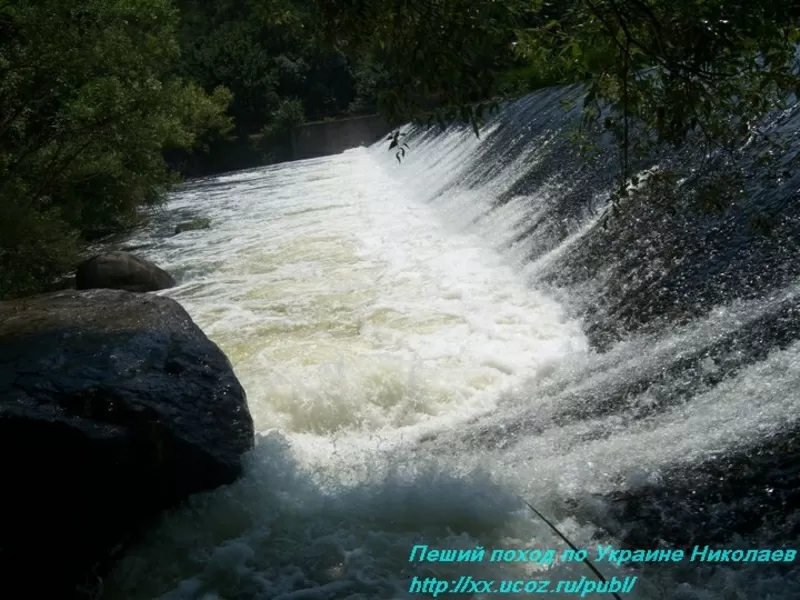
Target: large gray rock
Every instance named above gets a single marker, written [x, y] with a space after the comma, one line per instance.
[121, 271]
[113, 407]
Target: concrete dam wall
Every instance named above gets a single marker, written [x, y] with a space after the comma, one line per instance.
[332, 137]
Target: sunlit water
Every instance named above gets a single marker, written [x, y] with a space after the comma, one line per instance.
[386, 343]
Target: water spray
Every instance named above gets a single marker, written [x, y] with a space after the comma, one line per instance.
[586, 560]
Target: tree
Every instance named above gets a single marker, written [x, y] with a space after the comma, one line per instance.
[671, 70]
[443, 57]
[666, 70]
[88, 104]
[265, 53]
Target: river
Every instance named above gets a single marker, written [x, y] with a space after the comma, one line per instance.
[414, 375]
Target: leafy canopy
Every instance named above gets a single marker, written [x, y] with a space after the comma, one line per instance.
[88, 103]
[669, 69]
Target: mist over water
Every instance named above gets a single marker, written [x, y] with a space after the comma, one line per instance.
[415, 370]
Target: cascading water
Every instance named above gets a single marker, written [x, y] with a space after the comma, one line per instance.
[419, 344]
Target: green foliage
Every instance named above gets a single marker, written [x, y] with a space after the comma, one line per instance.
[88, 104]
[222, 48]
[443, 58]
[287, 116]
[276, 137]
[371, 77]
[35, 245]
[657, 71]
[263, 51]
[709, 69]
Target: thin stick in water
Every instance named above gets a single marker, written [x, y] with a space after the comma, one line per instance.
[571, 545]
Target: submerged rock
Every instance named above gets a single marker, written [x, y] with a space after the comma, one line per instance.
[121, 271]
[135, 247]
[113, 407]
[193, 225]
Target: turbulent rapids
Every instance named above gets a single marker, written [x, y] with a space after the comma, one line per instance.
[425, 345]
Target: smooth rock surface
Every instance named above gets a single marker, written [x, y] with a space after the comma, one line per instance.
[120, 270]
[113, 407]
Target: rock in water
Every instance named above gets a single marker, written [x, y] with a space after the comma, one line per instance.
[121, 271]
[192, 225]
[113, 407]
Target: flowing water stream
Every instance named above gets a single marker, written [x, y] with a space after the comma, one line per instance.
[413, 375]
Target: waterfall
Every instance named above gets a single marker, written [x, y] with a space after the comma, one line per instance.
[426, 343]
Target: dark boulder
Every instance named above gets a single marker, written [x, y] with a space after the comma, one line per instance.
[113, 407]
[192, 225]
[121, 271]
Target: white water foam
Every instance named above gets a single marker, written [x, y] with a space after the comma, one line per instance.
[371, 330]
